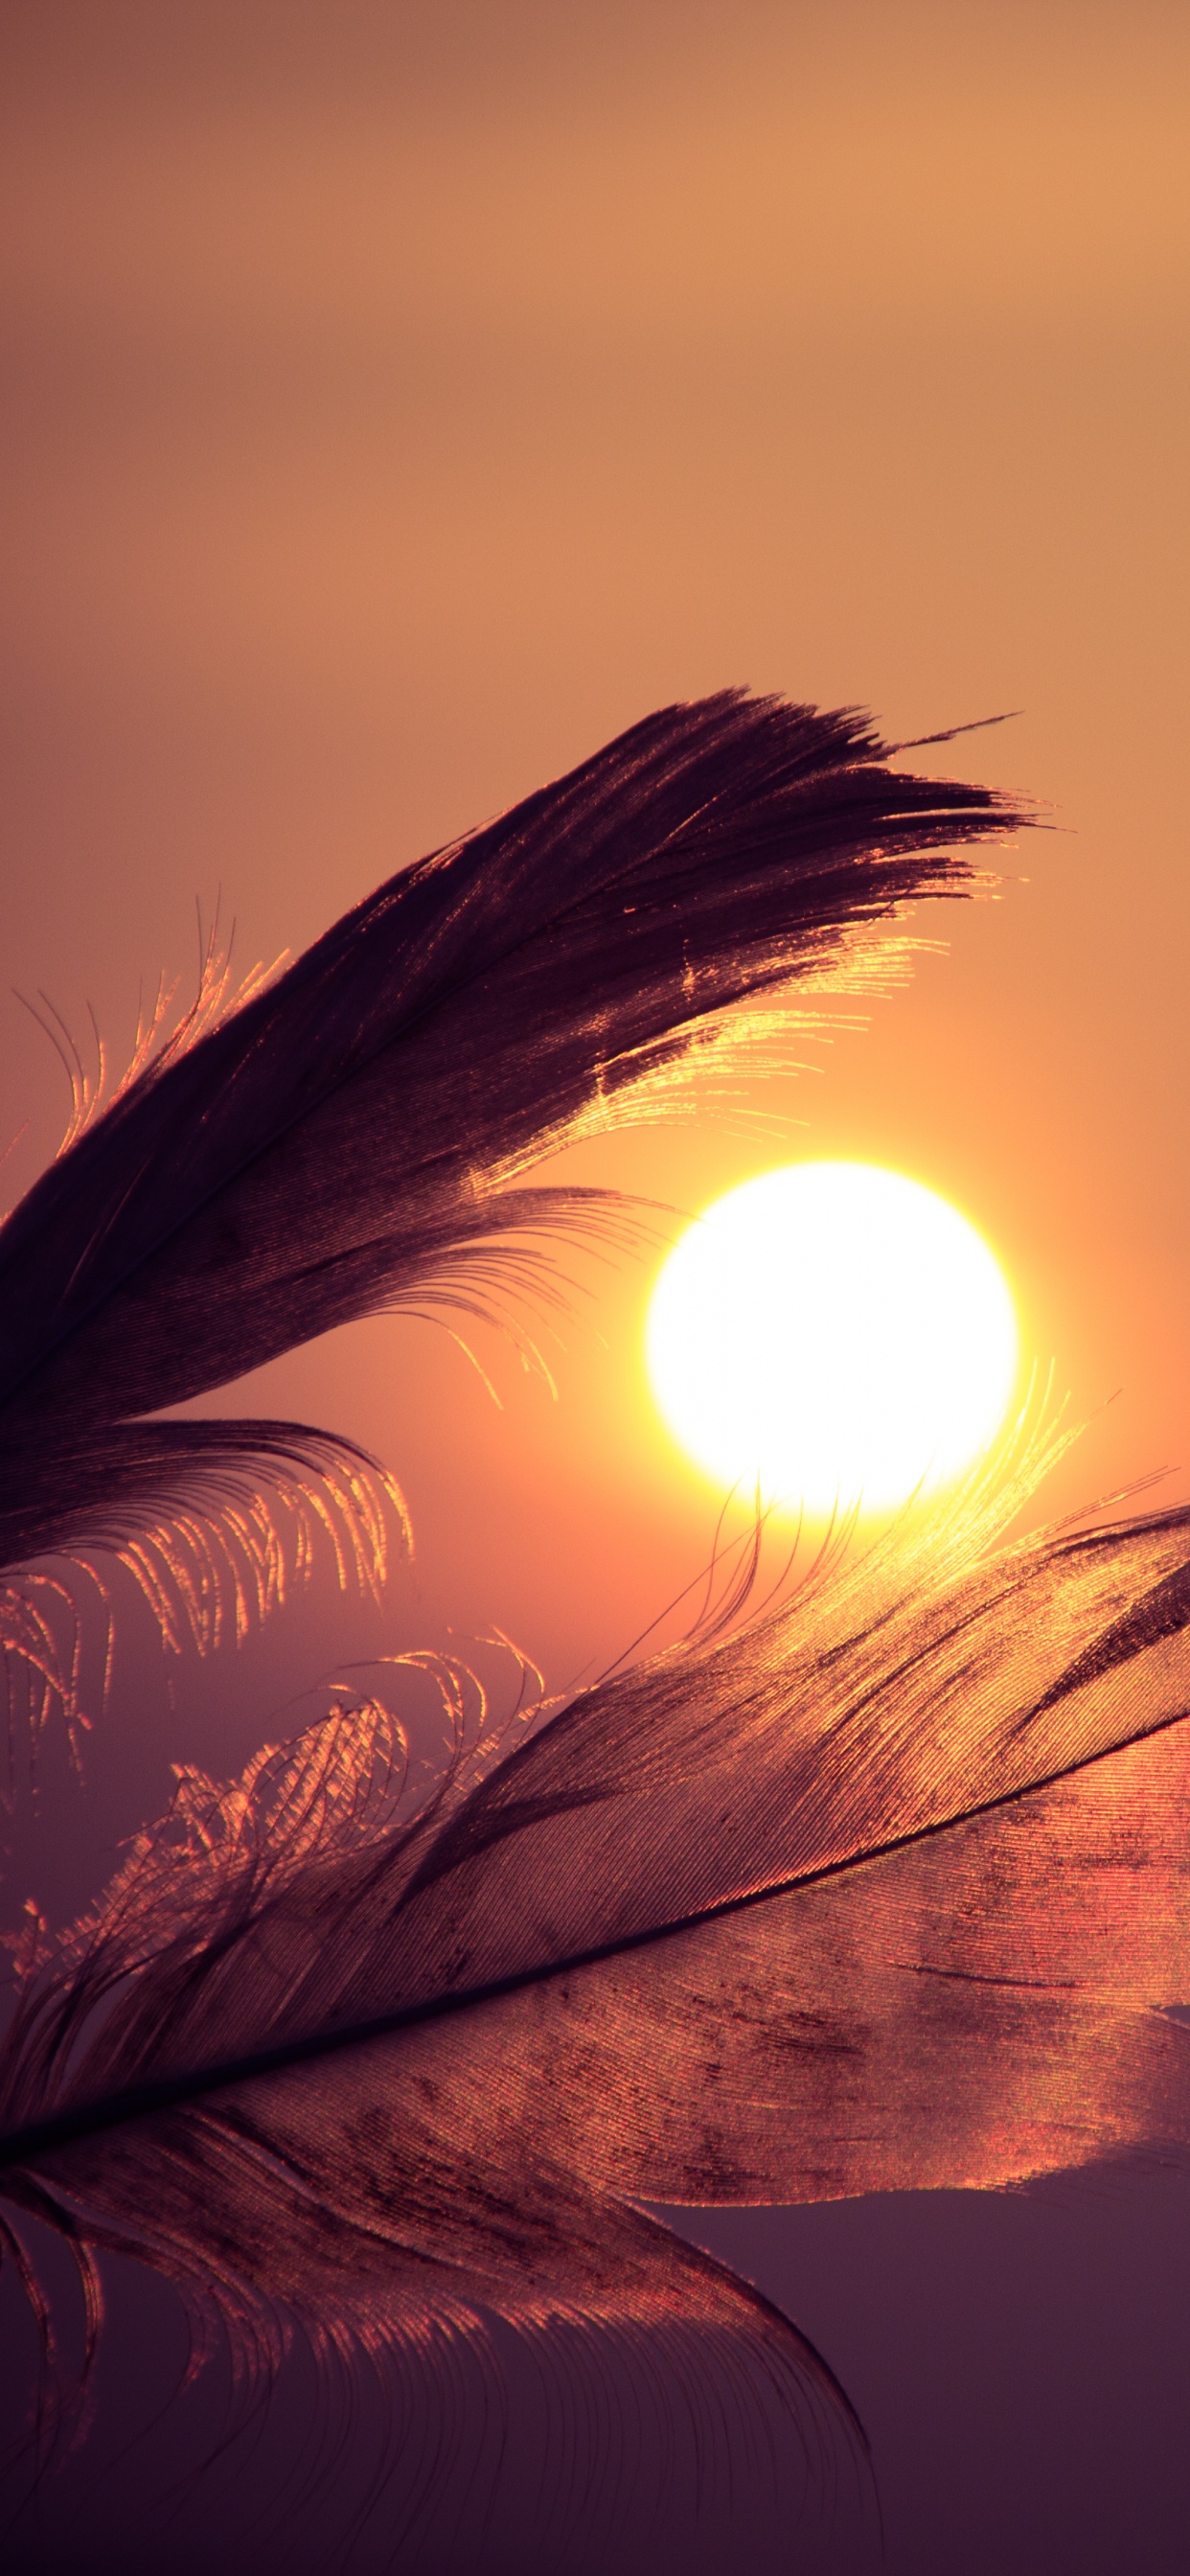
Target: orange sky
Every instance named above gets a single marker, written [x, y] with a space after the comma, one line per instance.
[400, 400]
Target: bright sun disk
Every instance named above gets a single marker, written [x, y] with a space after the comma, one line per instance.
[836, 1333]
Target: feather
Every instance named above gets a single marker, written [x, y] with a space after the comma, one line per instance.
[889, 1888]
[343, 1140]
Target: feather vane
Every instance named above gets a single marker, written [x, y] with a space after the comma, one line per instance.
[338, 1142]
[729, 1917]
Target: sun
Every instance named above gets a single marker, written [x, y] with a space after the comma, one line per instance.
[836, 1334]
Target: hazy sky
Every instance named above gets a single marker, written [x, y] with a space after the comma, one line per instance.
[398, 400]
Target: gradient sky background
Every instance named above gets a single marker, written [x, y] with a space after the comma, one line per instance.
[398, 401]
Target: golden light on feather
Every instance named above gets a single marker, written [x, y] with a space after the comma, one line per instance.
[835, 1333]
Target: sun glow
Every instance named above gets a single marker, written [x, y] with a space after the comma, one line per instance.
[835, 1333]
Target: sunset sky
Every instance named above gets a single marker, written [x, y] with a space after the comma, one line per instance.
[398, 401]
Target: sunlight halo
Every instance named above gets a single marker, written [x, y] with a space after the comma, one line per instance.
[835, 1333]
